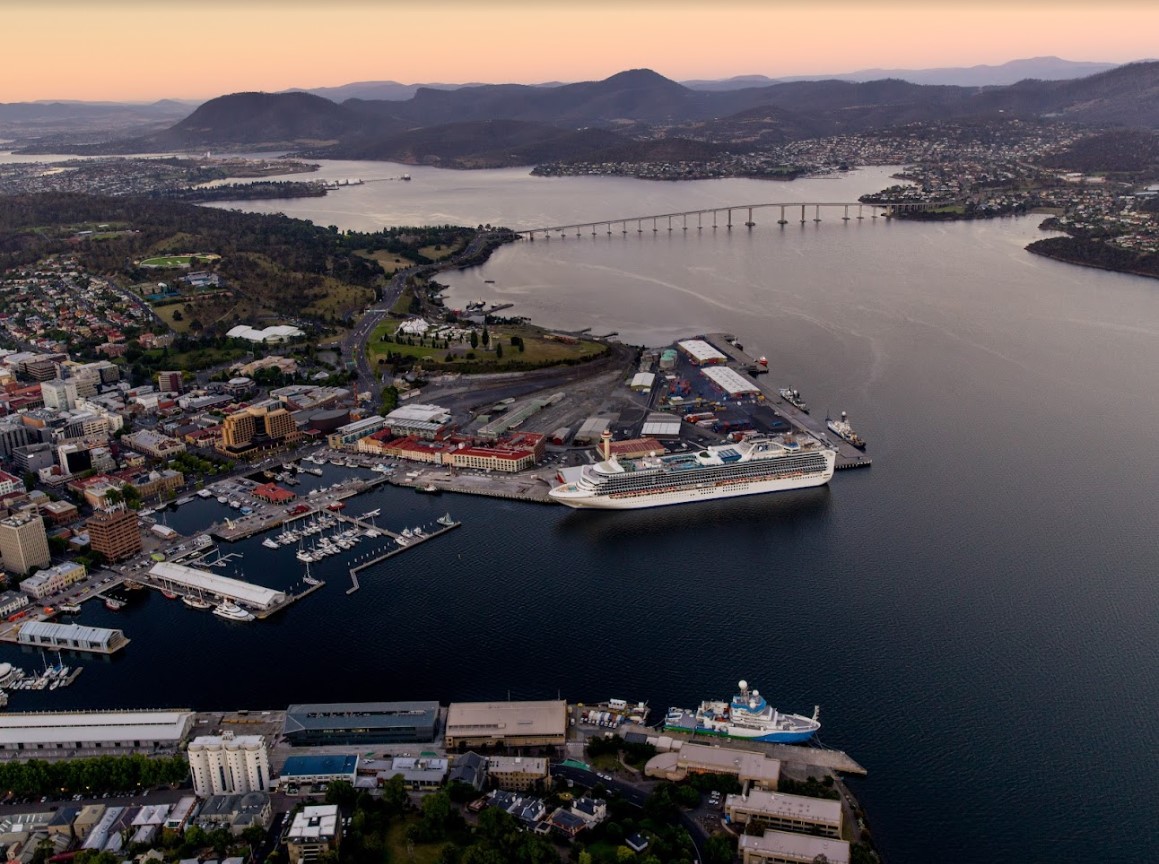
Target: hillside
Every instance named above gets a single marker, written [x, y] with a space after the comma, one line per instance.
[518, 124]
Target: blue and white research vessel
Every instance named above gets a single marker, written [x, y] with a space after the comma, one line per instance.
[748, 715]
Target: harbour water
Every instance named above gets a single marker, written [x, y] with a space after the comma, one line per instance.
[974, 614]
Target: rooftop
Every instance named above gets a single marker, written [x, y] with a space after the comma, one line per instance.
[507, 718]
[319, 766]
[319, 822]
[363, 715]
[797, 847]
[785, 805]
[69, 726]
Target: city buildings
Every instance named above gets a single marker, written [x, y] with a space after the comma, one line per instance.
[783, 812]
[114, 533]
[314, 831]
[519, 773]
[256, 429]
[511, 724]
[52, 580]
[783, 847]
[23, 543]
[51, 734]
[229, 763]
[358, 723]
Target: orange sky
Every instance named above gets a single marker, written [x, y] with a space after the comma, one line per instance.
[148, 49]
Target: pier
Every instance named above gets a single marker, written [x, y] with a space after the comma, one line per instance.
[388, 552]
[848, 456]
[268, 518]
[729, 217]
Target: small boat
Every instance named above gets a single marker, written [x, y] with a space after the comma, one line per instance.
[429, 489]
[270, 543]
[168, 595]
[844, 431]
[113, 604]
[221, 499]
[446, 520]
[69, 608]
[230, 611]
[402, 541]
[335, 506]
[204, 493]
[196, 602]
[235, 504]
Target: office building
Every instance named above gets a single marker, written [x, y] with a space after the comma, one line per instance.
[169, 382]
[114, 533]
[783, 812]
[228, 763]
[519, 773]
[314, 831]
[358, 723]
[23, 543]
[783, 847]
[59, 395]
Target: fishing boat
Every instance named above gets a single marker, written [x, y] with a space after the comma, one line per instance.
[446, 520]
[270, 543]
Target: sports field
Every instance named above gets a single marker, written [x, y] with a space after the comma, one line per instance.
[173, 261]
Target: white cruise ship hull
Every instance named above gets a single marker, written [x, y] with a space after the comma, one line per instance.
[581, 499]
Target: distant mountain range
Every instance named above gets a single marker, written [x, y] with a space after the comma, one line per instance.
[637, 112]
[1039, 68]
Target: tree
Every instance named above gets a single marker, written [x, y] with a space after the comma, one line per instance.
[29, 480]
[474, 339]
[719, 849]
[342, 793]
[113, 496]
[486, 338]
[255, 835]
[498, 350]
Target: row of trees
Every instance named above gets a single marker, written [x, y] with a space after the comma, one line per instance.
[100, 774]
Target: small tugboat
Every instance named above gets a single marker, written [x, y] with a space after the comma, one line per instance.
[844, 431]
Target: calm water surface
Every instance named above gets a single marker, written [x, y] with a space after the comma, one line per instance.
[977, 614]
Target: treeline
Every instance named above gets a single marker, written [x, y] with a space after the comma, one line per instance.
[1090, 252]
[262, 190]
[100, 774]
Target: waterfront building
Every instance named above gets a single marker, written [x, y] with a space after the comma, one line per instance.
[115, 534]
[783, 847]
[700, 352]
[418, 419]
[344, 436]
[226, 763]
[358, 723]
[510, 724]
[12, 601]
[70, 637]
[519, 773]
[182, 579]
[730, 382]
[52, 580]
[155, 484]
[300, 771]
[273, 493]
[514, 453]
[757, 769]
[23, 542]
[314, 831]
[73, 734]
[783, 812]
[642, 382]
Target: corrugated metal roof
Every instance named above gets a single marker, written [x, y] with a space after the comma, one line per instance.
[220, 586]
[72, 632]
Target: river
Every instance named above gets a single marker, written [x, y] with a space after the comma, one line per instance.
[974, 613]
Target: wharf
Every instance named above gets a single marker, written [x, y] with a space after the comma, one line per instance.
[268, 519]
[848, 456]
[389, 552]
[790, 754]
[518, 486]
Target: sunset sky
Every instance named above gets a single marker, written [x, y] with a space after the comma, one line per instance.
[149, 49]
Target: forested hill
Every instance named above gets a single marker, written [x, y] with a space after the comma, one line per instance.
[273, 264]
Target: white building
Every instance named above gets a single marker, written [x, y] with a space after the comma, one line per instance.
[228, 764]
[74, 734]
[277, 333]
[59, 395]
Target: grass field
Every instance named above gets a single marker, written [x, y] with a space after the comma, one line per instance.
[198, 358]
[388, 261]
[396, 846]
[538, 350]
[173, 261]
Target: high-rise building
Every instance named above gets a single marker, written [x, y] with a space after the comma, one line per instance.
[229, 764]
[114, 533]
[58, 394]
[23, 543]
[257, 426]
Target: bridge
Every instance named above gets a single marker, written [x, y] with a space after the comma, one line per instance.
[738, 215]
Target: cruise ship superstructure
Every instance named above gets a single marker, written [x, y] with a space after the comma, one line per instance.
[757, 465]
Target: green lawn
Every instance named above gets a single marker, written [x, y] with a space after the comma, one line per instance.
[173, 261]
[538, 349]
[396, 845]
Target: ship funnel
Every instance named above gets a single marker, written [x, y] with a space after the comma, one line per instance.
[743, 685]
[843, 416]
[606, 445]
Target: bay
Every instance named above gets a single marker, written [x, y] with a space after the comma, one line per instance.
[976, 614]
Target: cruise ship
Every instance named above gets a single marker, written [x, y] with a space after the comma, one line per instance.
[747, 715]
[751, 467]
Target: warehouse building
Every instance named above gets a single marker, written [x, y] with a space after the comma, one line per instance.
[178, 578]
[783, 812]
[301, 771]
[71, 637]
[50, 734]
[783, 847]
[509, 724]
[757, 769]
[358, 723]
[700, 352]
[730, 381]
